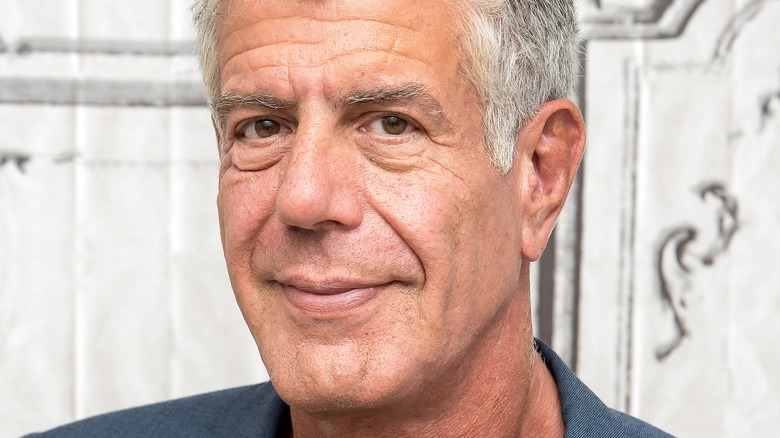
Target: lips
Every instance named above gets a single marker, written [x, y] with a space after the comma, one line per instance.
[329, 296]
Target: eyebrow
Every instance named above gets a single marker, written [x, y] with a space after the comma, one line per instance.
[404, 94]
[229, 102]
[381, 94]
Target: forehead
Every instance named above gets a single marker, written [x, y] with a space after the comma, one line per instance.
[271, 37]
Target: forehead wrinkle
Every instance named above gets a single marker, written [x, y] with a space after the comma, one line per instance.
[285, 63]
[289, 46]
[256, 34]
[393, 50]
[315, 20]
[350, 20]
[348, 23]
[244, 54]
[374, 94]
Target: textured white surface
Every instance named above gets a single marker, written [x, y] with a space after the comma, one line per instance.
[666, 119]
[113, 290]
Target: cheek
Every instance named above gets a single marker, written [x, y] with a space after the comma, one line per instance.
[422, 215]
[463, 233]
[245, 202]
[427, 213]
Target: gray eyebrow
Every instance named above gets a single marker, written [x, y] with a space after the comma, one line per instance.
[229, 102]
[380, 94]
[404, 94]
[408, 93]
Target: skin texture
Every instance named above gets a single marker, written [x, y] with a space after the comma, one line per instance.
[379, 261]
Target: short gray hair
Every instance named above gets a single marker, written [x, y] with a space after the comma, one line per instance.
[518, 54]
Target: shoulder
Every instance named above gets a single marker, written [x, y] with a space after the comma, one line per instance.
[246, 411]
[584, 414]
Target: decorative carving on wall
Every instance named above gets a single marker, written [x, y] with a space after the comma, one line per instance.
[87, 46]
[35, 91]
[17, 158]
[676, 261]
[735, 26]
[770, 106]
[662, 19]
[57, 90]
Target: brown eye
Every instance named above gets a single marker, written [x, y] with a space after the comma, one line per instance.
[394, 125]
[265, 128]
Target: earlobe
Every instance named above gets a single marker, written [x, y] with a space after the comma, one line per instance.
[550, 148]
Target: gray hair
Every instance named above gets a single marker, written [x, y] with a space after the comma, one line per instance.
[519, 54]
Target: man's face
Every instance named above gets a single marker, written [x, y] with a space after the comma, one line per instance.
[369, 243]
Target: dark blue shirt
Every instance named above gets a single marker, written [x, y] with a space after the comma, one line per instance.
[257, 411]
[584, 414]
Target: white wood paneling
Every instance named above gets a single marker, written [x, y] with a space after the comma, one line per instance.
[685, 138]
[113, 291]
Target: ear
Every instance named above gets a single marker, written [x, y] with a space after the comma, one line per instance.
[549, 149]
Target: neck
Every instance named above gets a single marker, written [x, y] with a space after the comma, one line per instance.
[505, 390]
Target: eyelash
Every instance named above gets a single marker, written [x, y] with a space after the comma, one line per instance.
[412, 127]
[240, 131]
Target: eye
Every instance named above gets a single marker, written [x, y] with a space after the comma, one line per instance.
[392, 125]
[262, 128]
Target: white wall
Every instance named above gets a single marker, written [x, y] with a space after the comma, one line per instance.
[679, 286]
[113, 291]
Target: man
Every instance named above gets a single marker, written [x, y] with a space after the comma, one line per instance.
[388, 171]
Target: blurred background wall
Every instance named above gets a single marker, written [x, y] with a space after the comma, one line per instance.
[660, 285]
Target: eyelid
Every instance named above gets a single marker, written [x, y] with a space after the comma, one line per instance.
[377, 117]
[238, 131]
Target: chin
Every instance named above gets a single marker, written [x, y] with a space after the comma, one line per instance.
[329, 404]
[340, 380]
[336, 399]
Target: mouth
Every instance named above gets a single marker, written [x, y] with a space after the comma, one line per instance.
[330, 297]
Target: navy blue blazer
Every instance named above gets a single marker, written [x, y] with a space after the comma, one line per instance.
[584, 415]
[257, 411]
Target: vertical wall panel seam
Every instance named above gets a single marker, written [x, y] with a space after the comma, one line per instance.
[545, 304]
[579, 195]
[78, 263]
[627, 239]
[173, 290]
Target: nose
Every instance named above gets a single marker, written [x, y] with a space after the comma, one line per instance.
[317, 187]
